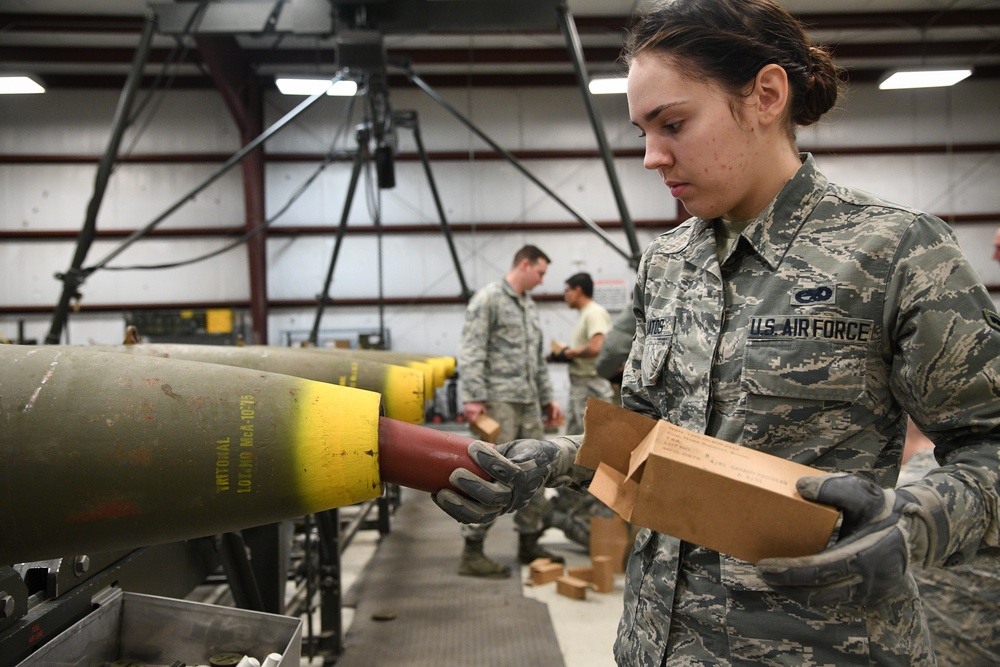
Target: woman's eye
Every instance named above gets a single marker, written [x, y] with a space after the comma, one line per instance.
[672, 127]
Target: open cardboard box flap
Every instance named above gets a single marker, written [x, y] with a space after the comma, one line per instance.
[703, 490]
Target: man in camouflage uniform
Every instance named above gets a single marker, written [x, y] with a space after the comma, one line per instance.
[833, 316]
[503, 374]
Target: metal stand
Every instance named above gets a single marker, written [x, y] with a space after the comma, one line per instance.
[631, 257]
[407, 120]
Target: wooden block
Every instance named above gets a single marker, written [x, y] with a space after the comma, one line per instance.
[572, 587]
[603, 574]
[486, 428]
[538, 562]
[611, 538]
[585, 572]
[544, 574]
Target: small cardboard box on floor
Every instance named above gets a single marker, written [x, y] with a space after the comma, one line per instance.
[703, 490]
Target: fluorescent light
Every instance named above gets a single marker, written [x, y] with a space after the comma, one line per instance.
[927, 78]
[19, 84]
[608, 85]
[297, 85]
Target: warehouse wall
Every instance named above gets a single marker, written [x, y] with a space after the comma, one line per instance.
[43, 196]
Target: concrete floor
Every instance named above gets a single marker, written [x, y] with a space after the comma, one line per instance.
[585, 629]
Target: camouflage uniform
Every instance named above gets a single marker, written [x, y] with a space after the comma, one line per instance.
[502, 364]
[833, 316]
[961, 603]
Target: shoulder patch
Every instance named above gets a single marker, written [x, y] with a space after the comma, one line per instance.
[992, 319]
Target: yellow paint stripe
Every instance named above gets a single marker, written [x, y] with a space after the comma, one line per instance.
[336, 448]
[449, 366]
[426, 370]
[403, 396]
[439, 370]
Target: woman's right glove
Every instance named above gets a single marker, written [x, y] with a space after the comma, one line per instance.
[519, 469]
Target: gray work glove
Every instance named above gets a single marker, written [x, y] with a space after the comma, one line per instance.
[883, 533]
[519, 469]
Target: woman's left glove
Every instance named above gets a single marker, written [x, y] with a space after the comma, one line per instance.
[519, 469]
[884, 533]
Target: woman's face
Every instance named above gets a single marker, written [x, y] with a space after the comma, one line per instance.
[708, 158]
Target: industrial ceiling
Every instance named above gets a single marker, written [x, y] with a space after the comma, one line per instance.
[91, 43]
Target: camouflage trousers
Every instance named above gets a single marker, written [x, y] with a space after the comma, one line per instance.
[517, 420]
[580, 389]
[570, 511]
[962, 605]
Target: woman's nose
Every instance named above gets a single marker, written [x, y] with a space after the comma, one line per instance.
[656, 155]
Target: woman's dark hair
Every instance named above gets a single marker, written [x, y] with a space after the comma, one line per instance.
[729, 41]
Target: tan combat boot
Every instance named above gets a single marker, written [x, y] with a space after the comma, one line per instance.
[476, 564]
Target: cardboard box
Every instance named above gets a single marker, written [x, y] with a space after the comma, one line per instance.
[703, 490]
[572, 587]
[486, 428]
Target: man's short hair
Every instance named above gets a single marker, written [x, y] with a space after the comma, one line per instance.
[584, 282]
[530, 253]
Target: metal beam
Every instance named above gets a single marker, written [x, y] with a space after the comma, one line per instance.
[575, 49]
[243, 96]
[584, 220]
[74, 277]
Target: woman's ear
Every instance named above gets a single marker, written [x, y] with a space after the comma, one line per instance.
[771, 93]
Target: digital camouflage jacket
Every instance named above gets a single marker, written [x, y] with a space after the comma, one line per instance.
[501, 355]
[833, 316]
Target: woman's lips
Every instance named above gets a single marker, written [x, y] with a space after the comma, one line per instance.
[676, 188]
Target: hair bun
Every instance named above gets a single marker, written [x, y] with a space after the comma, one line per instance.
[822, 86]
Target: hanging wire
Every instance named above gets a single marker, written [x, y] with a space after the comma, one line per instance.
[331, 155]
[168, 71]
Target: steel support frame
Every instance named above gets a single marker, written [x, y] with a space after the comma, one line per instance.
[243, 96]
[74, 276]
[408, 120]
[568, 26]
[517, 164]
[254, 188]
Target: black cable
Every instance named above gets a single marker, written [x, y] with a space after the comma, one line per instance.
[331, 155]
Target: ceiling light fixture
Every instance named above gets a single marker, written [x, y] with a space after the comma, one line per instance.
[19, 84]
[299, 85]
[607, 85]
[923, 78]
